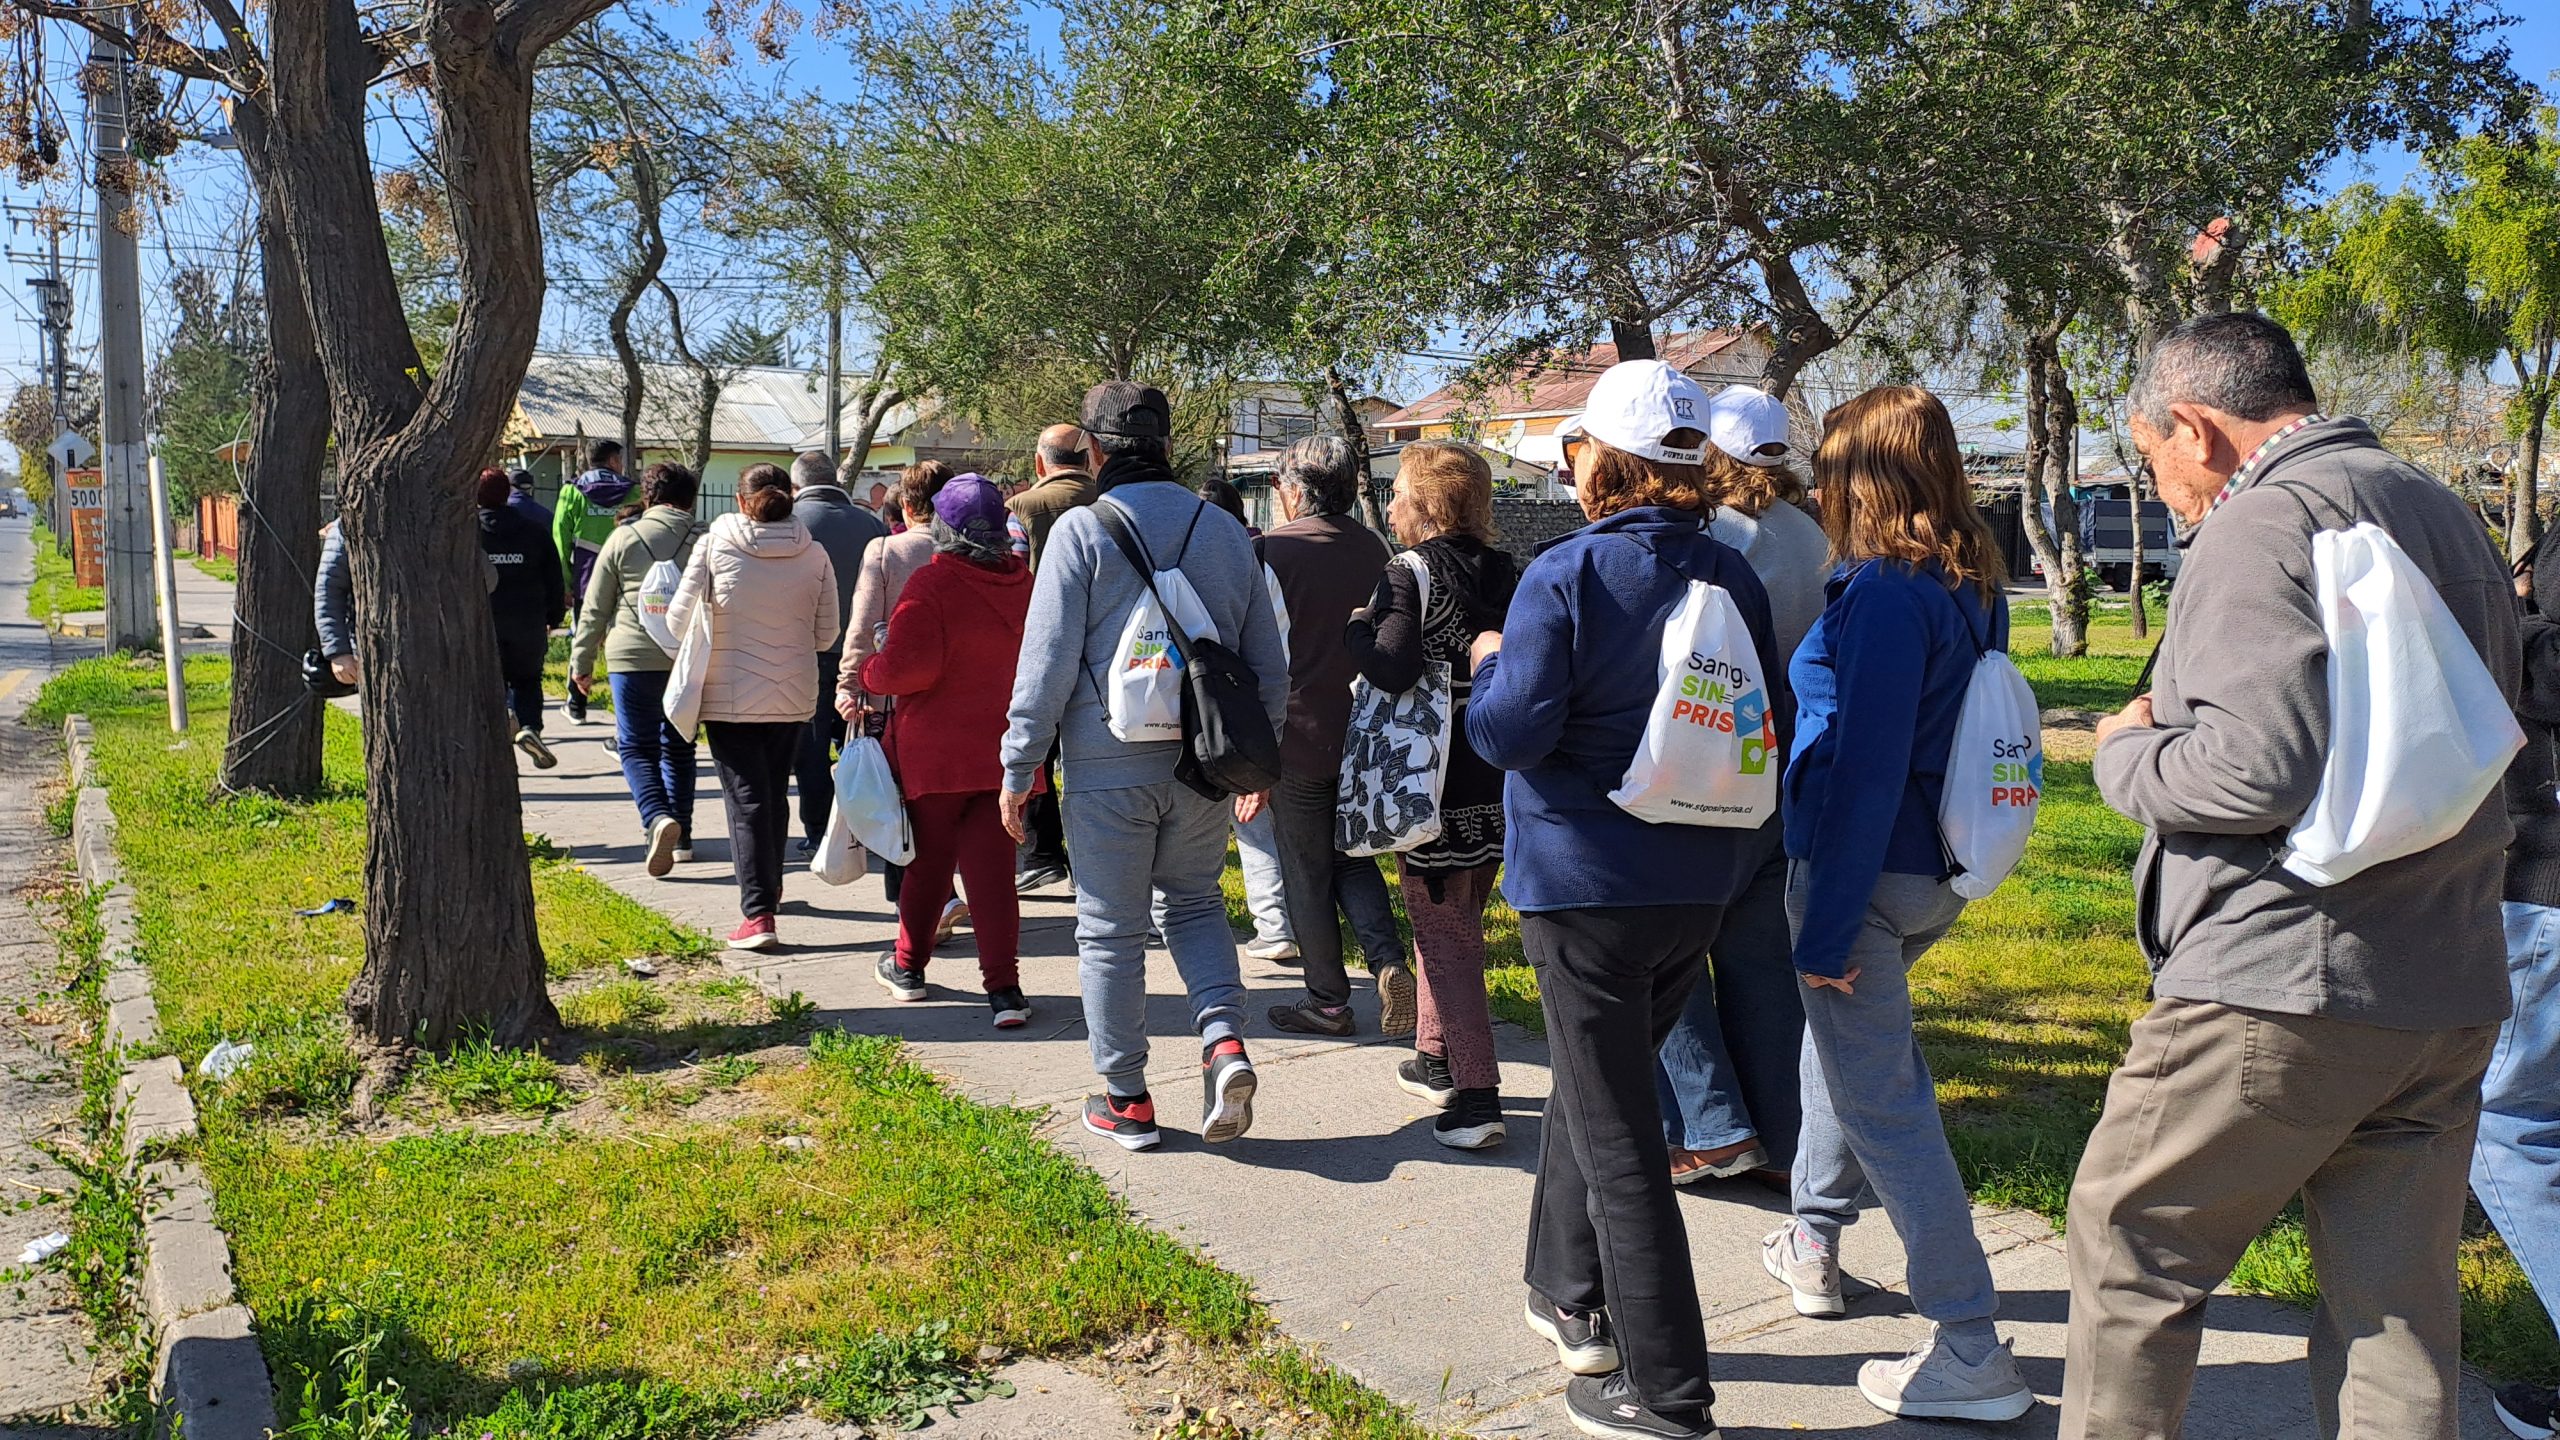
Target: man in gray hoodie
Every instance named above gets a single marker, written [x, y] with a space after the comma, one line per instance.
[1134, 828]
[2327, 1041]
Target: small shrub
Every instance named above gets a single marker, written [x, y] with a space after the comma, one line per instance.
[612, 1005]
[795, 1013]
[902, 1380]
[310, 1071]
[477, 1078]
[363, 1408]
[730, 1070]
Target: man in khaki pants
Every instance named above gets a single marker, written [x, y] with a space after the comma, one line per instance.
[2326, 1041]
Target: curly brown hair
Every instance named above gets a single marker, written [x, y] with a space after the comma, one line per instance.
[1749, 488]
[1448, 488]
[1624, 480]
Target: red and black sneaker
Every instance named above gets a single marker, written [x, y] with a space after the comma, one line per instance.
[1128, 1122]
[1226, 1091]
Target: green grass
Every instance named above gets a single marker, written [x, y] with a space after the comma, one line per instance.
[481, 1264]
[2101, 680]
[55, 593]
[220, 877]
[219, 567]
[707, 1254]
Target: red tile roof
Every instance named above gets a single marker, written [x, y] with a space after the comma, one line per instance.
[1563, 386]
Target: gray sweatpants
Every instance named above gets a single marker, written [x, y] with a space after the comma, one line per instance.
[1871, 1109]
[1165, 844]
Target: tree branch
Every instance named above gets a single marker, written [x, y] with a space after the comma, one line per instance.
[166, 52]
[528, 27]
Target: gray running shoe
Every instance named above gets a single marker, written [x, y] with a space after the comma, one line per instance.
[1810, 1272]
[1931, 1383]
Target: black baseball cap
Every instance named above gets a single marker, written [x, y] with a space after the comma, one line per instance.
[1128, 409]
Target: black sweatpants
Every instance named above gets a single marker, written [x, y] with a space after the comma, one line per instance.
[815, 765]
[1604, 1223]
[1045, 822]
[522, 649]
[754, 758]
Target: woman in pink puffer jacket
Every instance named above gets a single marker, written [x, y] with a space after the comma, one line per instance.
[771, 592]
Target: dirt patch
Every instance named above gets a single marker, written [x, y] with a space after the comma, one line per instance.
[2071, 734]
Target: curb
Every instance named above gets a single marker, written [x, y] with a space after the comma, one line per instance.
[209, 1375]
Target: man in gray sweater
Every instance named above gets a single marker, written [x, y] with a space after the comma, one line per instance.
[1132, 827]
[2322, 1040]
[844, 530]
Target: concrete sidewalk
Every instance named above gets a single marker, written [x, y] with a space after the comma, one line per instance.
[1393, 1257]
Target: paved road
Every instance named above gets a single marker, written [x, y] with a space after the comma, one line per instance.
[45, 1368]
[1397, 1259]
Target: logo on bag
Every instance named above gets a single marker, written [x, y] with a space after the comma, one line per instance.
[1152, 652]
[2017, 772]
[1708, 700]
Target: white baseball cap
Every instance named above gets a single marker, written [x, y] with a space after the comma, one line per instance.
[1749, 424]
[1637, 402]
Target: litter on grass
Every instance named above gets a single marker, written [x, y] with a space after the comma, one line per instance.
[43, 1248]
[641, 968]
[339, 906]
[222, 1060]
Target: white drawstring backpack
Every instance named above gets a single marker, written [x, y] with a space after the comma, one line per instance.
[1709, 751]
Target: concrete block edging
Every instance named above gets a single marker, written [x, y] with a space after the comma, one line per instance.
[208, 1375]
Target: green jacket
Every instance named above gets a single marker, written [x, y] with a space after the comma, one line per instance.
[609, 620]
[583, 519]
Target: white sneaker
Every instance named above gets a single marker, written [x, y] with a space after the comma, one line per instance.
[662, 845]
[1811, 1273]
[1930, 1383]
[1273, 950]
[531, 744]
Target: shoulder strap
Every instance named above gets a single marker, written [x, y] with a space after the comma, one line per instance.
[1421, 568]
[1116, 523]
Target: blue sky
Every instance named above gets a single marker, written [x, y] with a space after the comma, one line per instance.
[205, 223]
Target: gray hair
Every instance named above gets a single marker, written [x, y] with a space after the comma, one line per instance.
[947, 541]
[2240, 363]
[1324, 467]
[812, 468]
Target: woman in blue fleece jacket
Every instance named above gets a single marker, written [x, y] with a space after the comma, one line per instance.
[1879, 683]
[1616, 913]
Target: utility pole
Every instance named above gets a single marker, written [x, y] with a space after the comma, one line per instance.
[835, 376]
[122, 457]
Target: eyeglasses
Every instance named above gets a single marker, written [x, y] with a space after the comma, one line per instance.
[1569, 444]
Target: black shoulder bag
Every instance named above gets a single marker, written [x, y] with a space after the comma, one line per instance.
[1228, 747]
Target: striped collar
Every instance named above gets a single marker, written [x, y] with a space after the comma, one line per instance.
[2248, 471]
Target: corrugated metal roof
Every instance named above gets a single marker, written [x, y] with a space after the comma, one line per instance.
[780, 410]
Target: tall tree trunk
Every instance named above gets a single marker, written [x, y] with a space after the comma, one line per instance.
[450, 942]
[2524, 514]
[1356, 435]
[878, 399]
[2056, 545]
[1634, 338]
[274, 743]
[2141, 610]
[648, 198]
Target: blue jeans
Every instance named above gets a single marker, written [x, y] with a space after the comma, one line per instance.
[1728, 1070]
[657, 762]
[1157, 843]
[2515, 1170]
[1871, 1109]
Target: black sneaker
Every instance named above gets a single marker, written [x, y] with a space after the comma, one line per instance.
[1308, 1018]
[1127, 1123]
[2529, 1411]
[1606, 1405]
[1039, 877]
[901, 982]
[1581, 1337]
[1226, 1092]
[1473, 1121]
[1012, 1011]
[804, 847]
[1426, 1078]
[576, 706]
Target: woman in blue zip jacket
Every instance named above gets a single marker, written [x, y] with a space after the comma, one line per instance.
[1617, 913]
[1880, 681]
